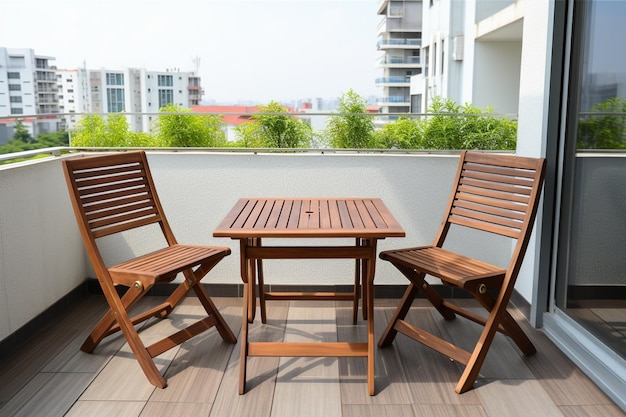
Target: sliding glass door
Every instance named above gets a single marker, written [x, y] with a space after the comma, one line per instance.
[590, 285]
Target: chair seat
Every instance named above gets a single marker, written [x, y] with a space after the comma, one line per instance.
[452, 268]
[163, 265]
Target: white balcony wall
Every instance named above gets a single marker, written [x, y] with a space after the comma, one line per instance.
[42, 257]
[41, 252]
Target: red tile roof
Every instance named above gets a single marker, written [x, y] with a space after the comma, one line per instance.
[242, 112]
[231, 119]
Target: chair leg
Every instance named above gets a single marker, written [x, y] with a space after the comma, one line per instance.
[472, 368]
[401, 311]
[515, 332]
[498, 316]
[510, 326]
[417, 278]
[105, 325]
[211, 309]
[139, 350]
[118, 310]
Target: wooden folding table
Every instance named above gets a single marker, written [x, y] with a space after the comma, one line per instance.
[363, 219]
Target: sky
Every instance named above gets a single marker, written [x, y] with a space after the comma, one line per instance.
[257, 50]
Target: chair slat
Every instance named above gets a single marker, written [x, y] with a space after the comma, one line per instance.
[112, 195]
[119, 178]
[498, 179]
[489, 209]
[148, 215]
[511, 161]
[501, 203]
[502, 195]
[495, 186]
[80, 173]
[499, 169]
[122, 227]
[484, 226]
[121, 214]
[120, 200]
[105, 188]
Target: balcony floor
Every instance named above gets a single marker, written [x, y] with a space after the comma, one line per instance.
[50, 376]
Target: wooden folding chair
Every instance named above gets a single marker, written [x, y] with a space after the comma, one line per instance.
[115, 193]
[493, 193]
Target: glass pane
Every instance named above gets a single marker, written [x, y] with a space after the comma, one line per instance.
[602, 121]
[593, 286]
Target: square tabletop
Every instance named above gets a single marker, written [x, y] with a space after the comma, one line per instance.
[366, 218]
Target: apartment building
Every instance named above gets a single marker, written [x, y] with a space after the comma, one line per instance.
[400, 40]
[131, 90]
[472, 53]
[27, 88]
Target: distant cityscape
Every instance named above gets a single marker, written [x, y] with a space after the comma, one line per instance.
[31, 85]
[418, 62]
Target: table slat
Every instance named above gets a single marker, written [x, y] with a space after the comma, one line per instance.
[315, 217]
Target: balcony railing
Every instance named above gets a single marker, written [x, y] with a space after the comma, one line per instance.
[393, 80]
[395, 99]
[398, 42]
[411, 60]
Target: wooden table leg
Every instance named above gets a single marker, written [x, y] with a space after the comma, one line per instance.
[243, 353]
[248, 276]
[247, 316]
[261, 282]
[364, 277]
[357, 286]
[371, 343]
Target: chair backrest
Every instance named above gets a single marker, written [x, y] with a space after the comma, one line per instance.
[496, 193]
[113, 193]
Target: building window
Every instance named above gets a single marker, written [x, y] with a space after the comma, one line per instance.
[15, 87]
[166, 96]
[114, 79]
[434, 72]
[115, 100]
[13, 75]
[17, 99]
[166, 81]
[442, 55]
[16, 110]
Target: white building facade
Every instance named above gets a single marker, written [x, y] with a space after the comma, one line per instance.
[138, 92]
[399, 38]
[472, 51]
[27, 88]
